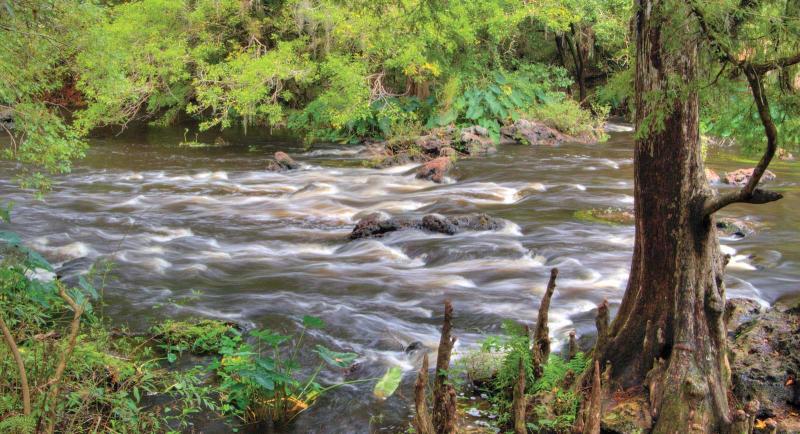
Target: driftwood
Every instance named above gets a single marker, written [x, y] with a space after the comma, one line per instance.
[519, 402]
[444, 395]
[422, 419]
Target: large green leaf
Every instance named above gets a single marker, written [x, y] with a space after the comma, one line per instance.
[339, 360]
[387, 385]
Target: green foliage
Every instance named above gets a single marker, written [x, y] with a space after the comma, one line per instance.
[257, 387]
[504, 97]
[200, 337]
[567, 116]
[556, 403]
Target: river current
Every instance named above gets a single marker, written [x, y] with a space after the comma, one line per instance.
[208, 232]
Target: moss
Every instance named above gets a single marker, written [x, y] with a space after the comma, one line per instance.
[199, 337]
[612, 216]
[626, 417]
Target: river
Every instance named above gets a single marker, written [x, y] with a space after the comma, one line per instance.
[208, 232]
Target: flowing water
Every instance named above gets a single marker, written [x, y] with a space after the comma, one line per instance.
[208, 232]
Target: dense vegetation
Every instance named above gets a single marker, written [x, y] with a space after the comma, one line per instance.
[331, 70]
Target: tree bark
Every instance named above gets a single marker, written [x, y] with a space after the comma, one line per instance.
[670, 318]
[444, 395]
[422, 419]
[541, 335]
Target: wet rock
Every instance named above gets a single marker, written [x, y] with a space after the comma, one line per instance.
[432, 143]
[414, 346]
[435, 223]
[739, 311]
[742, 176]
[712, 176]
[376, 225]
[765, 361]
[447, 152]
[620, 216]
[741, 228]
[534, 133]
[435, 170]
[282, 162]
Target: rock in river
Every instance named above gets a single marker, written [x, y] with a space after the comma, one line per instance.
[376, 225]
[435, 170]
[742, 176]
[282, 162]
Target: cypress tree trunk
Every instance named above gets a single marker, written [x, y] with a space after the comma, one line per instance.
[669, 334]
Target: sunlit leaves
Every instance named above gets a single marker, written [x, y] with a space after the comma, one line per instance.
[386, 386]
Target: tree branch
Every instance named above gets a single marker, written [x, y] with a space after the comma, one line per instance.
[23, 378]
[755, 78]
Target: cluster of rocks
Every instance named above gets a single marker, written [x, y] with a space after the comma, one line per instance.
[376, 224]
[447, 143]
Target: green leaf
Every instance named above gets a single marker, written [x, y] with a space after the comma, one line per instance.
[269, 337]
[171, 357]
[313, 322]
[474, 112]
[10, 237]
[387, 385]
[340, 360]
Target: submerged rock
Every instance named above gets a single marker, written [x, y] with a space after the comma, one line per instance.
[376, 225]
[282, 162]
[741, 228]
[435, 170]
[742, 176]
[619, 216]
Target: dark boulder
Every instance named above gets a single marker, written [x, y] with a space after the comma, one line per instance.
[375, 225]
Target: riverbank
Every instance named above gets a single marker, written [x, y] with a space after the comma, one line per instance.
[209, 233]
